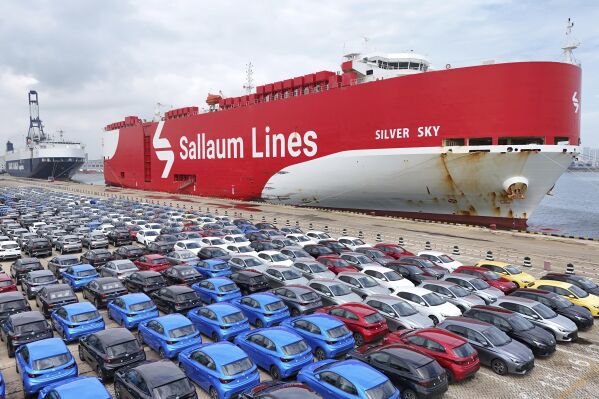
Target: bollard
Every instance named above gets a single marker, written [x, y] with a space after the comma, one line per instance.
[427, 246]
[489, 256]
[297, 224]
[251, 216]
[326, 228]
[216, 211]
[310, 226]
[226, 213]
[378, 237]
[456, 250]
[344, 232]
[400, 241]
[570, 268]
[287, 224]
[263, 219]
[527, 262]
[360, 234]
[274, 221]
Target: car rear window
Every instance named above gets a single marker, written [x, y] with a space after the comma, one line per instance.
[61, 294]
[44, 279]
[159, 261]
[430, 370]
[382, 391]
[338, 331]
[373, 318]
[274, 306]
[123, 348]
[173, 389]
[138, 307]
[36, 326]
[309, 296]
[51, 362]
[219, 266]
[188, 296]
[81, 317]
[182, 331]
[464, 350]
[155, 280]
[295, 348]
[238, 367]
[12, 305]
[111, 286]
[87, 273]
[5, 283]
[257, 280]
[227, 288]
[233, 318]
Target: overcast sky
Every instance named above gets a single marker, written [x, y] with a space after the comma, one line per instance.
[94, 62]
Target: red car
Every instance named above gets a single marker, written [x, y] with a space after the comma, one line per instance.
[451, 351]
[365, 322]
[393, 250]
[493, 279]
[154, 262]
[6, 283]
[133, 231]
[336, 264]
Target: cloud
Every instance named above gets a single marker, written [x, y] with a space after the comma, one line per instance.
[94, 63]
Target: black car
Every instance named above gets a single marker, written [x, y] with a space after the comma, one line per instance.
[581, 282]
[376, 255]
[38, 247]
[34, 281]
[213, 253]
[109, 350]
[23, 328]
[266, 226]
[249, 281]
[582, 317]
[280, 390]
[539, 340]
[335, 246]
[146, 281]
[316, 250]
[54, 296]
[263, 245]
[181, 274]
[170, 238]
[299, 299]
[427, 267]
[22, 266]
[159, 247]
[131, 252]
[59, 263]
[257, 237]
[415, 374]
[176, 299]
[12, 303]
[102, 290]
[410, 272]
[96, 257]
[153, 380]
[119, 237]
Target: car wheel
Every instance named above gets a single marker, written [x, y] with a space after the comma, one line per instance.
[259, 323]
[213, 393]
[295, 312]
[434, 319]
[140, 338]
[81, 357]
[319, 354]
[499, 366]
[275, 373]
[161, 353]
[408, 394]
[100, 373]
[10, 350]
[109, 315]
[214, 337]
[97, 303]
[359, 339]
[450, 376]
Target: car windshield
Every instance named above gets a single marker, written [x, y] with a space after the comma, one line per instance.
[309, 296]
[158, 261]
[111, 286]
[51, 362]
[233, 318]
[188, 272]
[465, 350]
[544, 311]
[393, 276]
[141, 306]
[182, 331]
[337, 332]
[192, 245]
[61, 294]
[433, 299]
[258, 279]
[295, 348]
[245, 249]
[252, 262]
[87, 273]
[519, 323]
[496, 336]
[81, 317]
[123, 348]
[413, 269]
[36, 326]
[404, 308]
[228, 288]
[151, 233]
[44, 279]
[274, 306]
[127, 266]
[479, 284]
[458, 291]
[512, 269]
[239, 239]
[291, 275]
[12, 305]
[186, 255]
[382, 391]
[363, 259]
[340, 289]
[217, 241]
[188, 296]
[155, 280]
[374, 318]
[357, 241]
[279, 257]
[238, 367]
[579, 292]
[492, 275]
[586, 283]
[561, 302]
[10, 246]
[175, 389]
[367, 282]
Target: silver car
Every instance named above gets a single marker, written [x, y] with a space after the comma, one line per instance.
[95, 239]
[562, 328]
[182, 256]
[476, 286]
[118, 268]
[358, 260]
[362, 284]
[68, 243]
[241, 262]
[310, 269]
[280, 276]
[295, 252]
[453, 293]
[399, 313]
[333, 292]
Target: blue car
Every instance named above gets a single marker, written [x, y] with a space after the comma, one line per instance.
[131, 309]
[2, 387]
[79, 275]
[210, 268]
[44, 362]
[75, 388]
[347, 379]
[221, 369]
[219, 321]
[263, 309]
[76, 319]
[328, 336]
[279, 350]
[218, 289]
[168, 335]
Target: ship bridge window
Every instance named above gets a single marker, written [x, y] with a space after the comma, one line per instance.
[454, 142]
[561, 140]
[369, 72]
[480, 141]
[521, 140]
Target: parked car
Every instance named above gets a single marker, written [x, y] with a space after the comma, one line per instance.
[281, 276]
[219, 321]
[153, 262]
[176, 298]
[333, 292]
[146, 281]
[249, 281]
[509, 272]
[79, 275]
[572, 293]
[358, 259]
[299, 299]
[409, 272]
[398, 312]
[334, 245]
[68, 243]
[391, 280]
[210, 268]
[52, 296]
[581, 282]
[453, 293]
[182, 257]
[393, 250]
[131, 252]
[280, 390]
[336, 264]
[7, 284]
[275, 258]
[182, 274]
[38, 247]
[35, 280]
[96, 257]
[160, 247]
[365, 322]
[429, 304]
[61, 262]
[263, 309]
[75, 320]
[428, 268]
[130, 309]
[493, 279]
[103, 290]
[476, 286]
[12, 303]
[23, 328]
[441, 259]
[362, 284]
[119, 237]
[168, 335]
[120, 269]
[146, 236]
[163, 379]
[376, 255]
[217, 289]
[9, 250]
[293, 252]
[94, 240]
[213, 253]
[312, 269]
[20, 267]
[75, 388]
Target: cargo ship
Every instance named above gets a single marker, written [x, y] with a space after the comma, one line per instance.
[385, 135]
[43, 157]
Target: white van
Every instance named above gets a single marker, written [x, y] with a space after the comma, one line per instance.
[9, 250]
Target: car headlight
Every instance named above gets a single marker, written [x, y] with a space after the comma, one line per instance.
[539, 343]
[562, 329]
[596, 306]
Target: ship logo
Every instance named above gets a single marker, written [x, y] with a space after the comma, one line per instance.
[163, 149]
[575, 102]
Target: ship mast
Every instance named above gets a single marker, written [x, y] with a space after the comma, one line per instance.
[570, 44]
[36, 129]
[249, 79]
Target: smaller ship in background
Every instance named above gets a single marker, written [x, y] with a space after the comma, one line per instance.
[43, 157]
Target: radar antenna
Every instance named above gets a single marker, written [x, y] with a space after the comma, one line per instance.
[249, 78]
[570, 44]
[36, 129]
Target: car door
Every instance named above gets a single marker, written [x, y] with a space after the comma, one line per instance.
[200, 372]
[394, 368]
[118, 315]
[255, 343]
[154, 334]
[485, 352]
[275, 278]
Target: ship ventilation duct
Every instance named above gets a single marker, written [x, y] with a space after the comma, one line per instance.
[516, 187]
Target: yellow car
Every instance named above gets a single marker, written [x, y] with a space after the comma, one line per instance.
[574, 294]
[509, 272]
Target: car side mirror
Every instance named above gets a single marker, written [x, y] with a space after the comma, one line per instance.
[328, 294]
[572, 296]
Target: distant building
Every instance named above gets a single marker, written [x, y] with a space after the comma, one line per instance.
[588, 159]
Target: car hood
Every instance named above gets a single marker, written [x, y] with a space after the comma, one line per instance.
[376, 290]
[448, 309]
[516, 350]
[561, 322]
[537, 334]
[492, 292]
[576, 310]
[347, 298]
[473, 300]
[417, 321]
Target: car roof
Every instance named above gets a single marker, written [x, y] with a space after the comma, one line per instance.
[136, 297]
[555, 283]
[223, 352]
[535, 291]
[26, 317]
[159, 372]
[299, 288]
[11, 296]
[469, 322]
[365, 376]
[434, 253]
[406, 353]
[83, 267]
[322, 320]
[222, 308]
[248, 273]
[359, 308]
[79, 307]
[517, 299]
[220, 281]
[442, 283]
[46, 348]
[104, 280]
[280, 335]
[380, 269]
[173, 320]
[147, 273]
[112, 336]
[264, 298]
[57, 287]
[270, 252]
[66, 257]
[44, 272]
[82, 387]
[450, 339]
[493, 309]
[414, 290]
[325, 281]
[388, 299]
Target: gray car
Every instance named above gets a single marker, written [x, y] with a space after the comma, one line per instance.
[182, 256]
[279, 276]
[333, 292]
[95, 239]
[299, 299]
[476, 286]
[311, 269]
[59, 263]
[295, 253]
[399, 313]
[495, 348]
[241, 262]
[358, 260]
[362, 284]
[68, 243]
[34, 281]
[120, 269]
[562, 328]
[376, 255]
[453, 293]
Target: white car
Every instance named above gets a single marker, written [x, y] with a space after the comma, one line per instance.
[9, 250]
[352, 243]
[36, 225]
[318, 235]
[189, 245]
[147, 236]
[213, 242]
[237, 239]
[151, 226]
[240, 262]
[106, 228]
[233, 250]
[275, 258]
[388, 278]
[441, 259]
[300, 239]
[429, 304]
